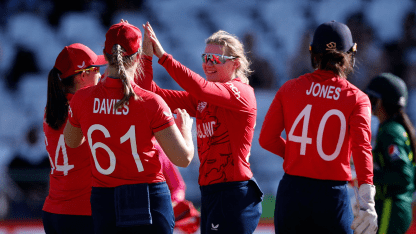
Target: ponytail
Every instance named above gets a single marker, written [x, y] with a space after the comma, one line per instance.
[120, 63]
[340, 63]
[57, 105]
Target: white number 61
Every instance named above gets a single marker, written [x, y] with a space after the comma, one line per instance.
[129, 135]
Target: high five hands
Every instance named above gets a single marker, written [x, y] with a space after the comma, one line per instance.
[157, 47]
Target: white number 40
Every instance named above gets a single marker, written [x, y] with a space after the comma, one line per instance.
[304, 139]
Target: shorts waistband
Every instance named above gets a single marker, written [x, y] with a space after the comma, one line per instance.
[315, 181]
[153, 188]
[212, 188]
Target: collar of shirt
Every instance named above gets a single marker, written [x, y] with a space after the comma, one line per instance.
[111, 82]
[323, 75]
[236, 79]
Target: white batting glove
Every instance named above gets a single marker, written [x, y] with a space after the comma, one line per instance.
[365, 216]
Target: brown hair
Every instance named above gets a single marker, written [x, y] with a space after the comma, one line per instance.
[120, 63]
[340, 63]
[57, 105]
[232, 47]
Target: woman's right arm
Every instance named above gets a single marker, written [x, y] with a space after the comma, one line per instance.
[176, 140]
[360, 135]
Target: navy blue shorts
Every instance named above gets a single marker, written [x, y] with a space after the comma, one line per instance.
[67, 224]
[305, 205]
[104, 209]
[232, 207]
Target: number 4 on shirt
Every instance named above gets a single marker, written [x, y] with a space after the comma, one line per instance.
[304, 139]
[60, 147]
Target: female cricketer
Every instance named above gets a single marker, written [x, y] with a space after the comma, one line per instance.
[326, 119]
[120, 122]
[225, 109]
[68, 202]
[393, 153]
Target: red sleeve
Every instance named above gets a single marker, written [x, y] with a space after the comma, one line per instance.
[360, 135]
[228, 95]
[163, 117]
[173, 177]
[270, 135]
[176, 99]
[73, 113]
[145, 80]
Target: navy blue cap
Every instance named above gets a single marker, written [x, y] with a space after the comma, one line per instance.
[332, 35]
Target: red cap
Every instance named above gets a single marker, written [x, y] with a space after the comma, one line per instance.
[75, 57]
[126, 35]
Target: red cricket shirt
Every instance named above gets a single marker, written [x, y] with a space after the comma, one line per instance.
[225, 119]
[70, 179]
[326, 119]
[120, 140]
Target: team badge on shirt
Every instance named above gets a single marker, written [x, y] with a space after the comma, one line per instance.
[394, 152]
[201, 106]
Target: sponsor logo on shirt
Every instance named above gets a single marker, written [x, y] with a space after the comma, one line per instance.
[322, 91]
[394, 152]
[234, 89]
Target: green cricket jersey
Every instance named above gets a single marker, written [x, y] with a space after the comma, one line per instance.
[393, 178]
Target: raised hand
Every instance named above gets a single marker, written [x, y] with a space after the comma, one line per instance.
[157, 47]
[183, 121]
[147, 43]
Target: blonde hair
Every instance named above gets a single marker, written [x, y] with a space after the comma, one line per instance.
[121, 63]
[232, 46]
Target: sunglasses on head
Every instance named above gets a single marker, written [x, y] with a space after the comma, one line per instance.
[216, 58]
[95, 69]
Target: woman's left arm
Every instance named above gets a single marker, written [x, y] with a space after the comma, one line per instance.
[73, 136]
[231, 95]
[270, 135]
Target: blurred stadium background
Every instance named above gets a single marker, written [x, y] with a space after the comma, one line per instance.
[276, 34]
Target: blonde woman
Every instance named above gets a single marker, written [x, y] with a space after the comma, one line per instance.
[225, 109]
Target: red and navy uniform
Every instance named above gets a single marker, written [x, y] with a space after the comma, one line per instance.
[128, 155]
[326, 120]
[70, 179]
[124, 158]
[225, 119]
